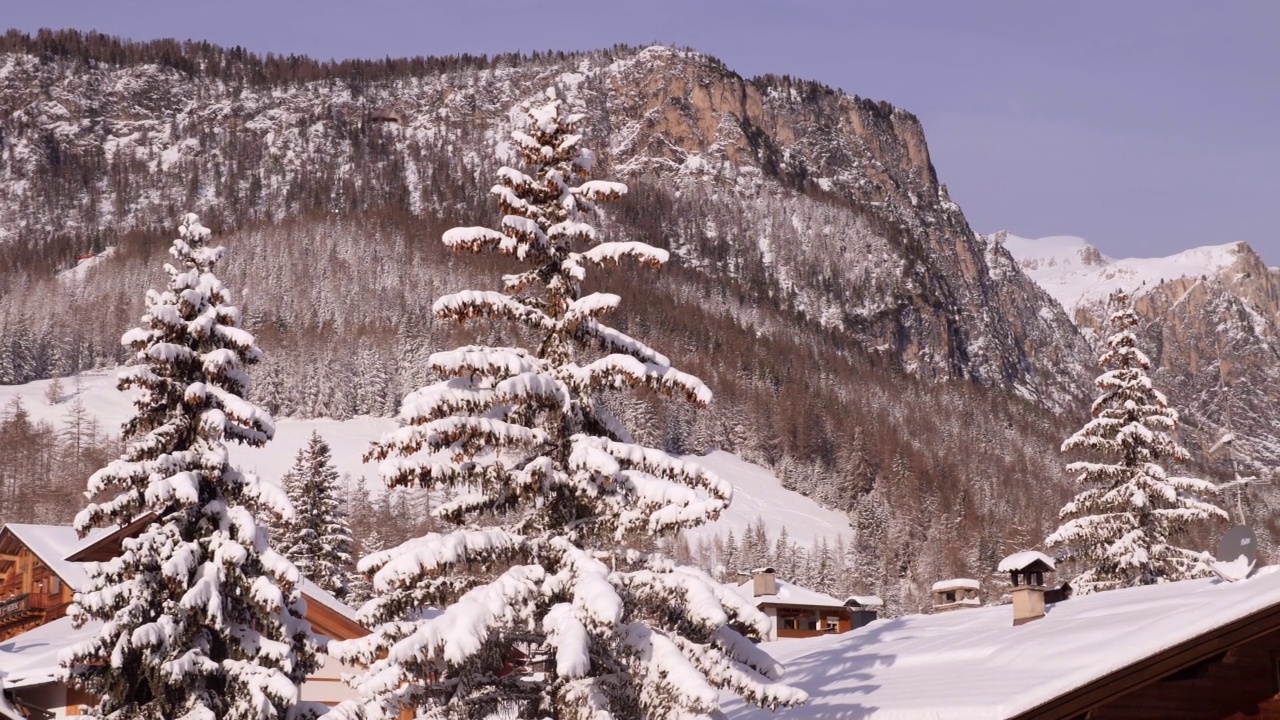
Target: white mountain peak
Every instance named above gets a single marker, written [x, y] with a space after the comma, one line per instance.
[1076, 273]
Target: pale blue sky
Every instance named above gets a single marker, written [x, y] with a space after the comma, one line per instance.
[1146, 127]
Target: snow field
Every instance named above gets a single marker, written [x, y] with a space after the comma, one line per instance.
[758, 493]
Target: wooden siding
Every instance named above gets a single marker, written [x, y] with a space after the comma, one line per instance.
[30, 593]
[1147, 678]
[1238, 684]
[810, 621]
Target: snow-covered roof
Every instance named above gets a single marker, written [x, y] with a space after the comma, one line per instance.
[787, 594]
[977, 665]
[954, 584]
[865, 600]
[32, 657]
[1020, 560]
[318, 594]
[53, 544]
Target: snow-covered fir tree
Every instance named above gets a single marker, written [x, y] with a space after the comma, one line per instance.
[318, 540]
[545, 609]
[200, 618]
[1120, 530]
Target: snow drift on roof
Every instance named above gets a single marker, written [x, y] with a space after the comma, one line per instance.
[53, 544]
[975, 665]
[31, 658]
[318, 594]
[865, 600]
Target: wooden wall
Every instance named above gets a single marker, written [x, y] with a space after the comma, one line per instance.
[22, 573]
[843, 625]
[1240, 684]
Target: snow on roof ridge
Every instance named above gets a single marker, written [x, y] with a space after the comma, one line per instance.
[53, 544]
[326, 598]
[956, 583]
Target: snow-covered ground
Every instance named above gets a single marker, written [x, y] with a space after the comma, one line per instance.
[82, 266]
[758, 493]
[1076, 274]
[348, 439]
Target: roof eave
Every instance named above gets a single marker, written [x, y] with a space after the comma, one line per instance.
[1076, 702]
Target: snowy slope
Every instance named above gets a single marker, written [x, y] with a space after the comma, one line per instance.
[83, 265]
[758, 493]
[348, 439]
[1076, 274]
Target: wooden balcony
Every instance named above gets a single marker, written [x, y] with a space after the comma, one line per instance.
[22, 608]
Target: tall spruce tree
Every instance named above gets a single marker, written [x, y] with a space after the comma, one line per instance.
[201, 619]
[551, 498]
[318, 540]
[1119, 531]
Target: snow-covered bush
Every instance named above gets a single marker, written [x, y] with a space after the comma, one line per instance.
[538, 602]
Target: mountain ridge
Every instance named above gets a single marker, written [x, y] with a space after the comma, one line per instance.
[861, 338]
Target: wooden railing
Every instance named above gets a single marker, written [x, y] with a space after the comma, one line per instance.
[20, 607]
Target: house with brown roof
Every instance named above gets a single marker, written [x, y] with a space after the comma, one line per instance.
[798, 612]
[41, 566]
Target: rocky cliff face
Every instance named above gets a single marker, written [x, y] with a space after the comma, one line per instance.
[1213, 329]
[832, 199]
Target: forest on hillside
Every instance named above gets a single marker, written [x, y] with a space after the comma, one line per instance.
[336, 261]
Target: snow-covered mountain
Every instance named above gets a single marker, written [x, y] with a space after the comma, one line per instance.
[859, 337]
[1080, 277]
[830, 200]
[1213, 330]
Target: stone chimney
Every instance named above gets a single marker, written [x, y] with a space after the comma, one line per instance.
[764, 581]
[955, 594]
[1026, 572]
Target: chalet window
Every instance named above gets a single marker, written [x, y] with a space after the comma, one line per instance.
[833, 623]
[787, 623]
[810, 622]
[55, 586]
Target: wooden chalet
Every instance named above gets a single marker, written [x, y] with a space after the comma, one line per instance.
[40, 569]
[35, 583]
[796, 612]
